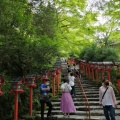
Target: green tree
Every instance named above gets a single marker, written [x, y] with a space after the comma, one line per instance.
[99, 54]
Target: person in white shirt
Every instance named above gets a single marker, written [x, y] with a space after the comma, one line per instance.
[71, 78]
[107, 100]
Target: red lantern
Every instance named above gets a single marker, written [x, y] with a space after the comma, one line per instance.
[44, 76]
[53, 73]
[30, 81]
[16, 87]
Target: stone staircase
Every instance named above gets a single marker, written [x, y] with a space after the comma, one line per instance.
[91, 90]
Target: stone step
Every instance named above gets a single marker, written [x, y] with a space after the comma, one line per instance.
[61, 117]
[82, 108]
[81, 103]
[93, 112]
[91, 87]
[76, 103]
[86, 87]
[87, 92]
[74, 117]
[89, 95]
[77, 99]
[91, 90]
[80, 95]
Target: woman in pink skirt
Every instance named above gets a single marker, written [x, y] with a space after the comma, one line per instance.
[67, 104]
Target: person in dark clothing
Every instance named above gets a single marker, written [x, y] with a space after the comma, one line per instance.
[44, 89]
[69, 69]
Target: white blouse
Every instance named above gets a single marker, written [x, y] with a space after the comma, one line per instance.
[66, 87]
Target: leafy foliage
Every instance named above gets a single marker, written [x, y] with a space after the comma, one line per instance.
[94, 53]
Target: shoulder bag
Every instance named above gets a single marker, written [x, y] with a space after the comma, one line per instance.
[104, 93]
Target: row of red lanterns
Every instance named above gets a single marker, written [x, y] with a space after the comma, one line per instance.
[30, 81]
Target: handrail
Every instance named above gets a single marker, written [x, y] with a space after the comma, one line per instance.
[87, 103]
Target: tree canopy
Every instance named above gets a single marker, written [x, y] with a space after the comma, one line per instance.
[33, 35]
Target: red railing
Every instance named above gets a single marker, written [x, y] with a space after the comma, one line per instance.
[86, 100]
[81, 87]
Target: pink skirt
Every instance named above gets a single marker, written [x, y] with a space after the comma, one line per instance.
[67, 104]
